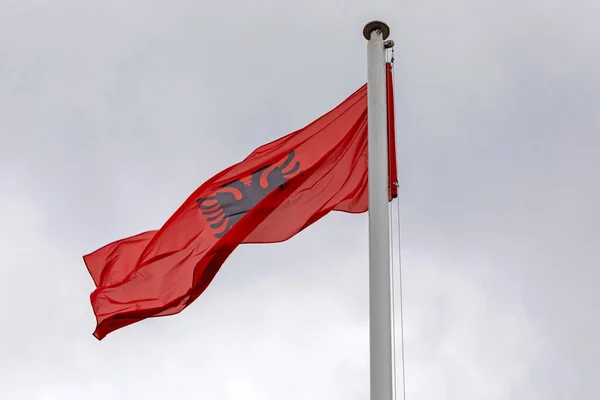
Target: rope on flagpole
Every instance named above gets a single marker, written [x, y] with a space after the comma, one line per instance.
[395, 378]
[393, 289]
[391, 228]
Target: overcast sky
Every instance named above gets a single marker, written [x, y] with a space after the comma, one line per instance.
[113, 112]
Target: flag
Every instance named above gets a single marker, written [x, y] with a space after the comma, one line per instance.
[277, 191]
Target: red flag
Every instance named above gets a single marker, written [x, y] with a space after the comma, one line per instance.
[393, 171]
[277, 191]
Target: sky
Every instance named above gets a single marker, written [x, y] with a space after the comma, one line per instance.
[113, 112]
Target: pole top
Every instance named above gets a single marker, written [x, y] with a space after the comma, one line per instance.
[376, 25]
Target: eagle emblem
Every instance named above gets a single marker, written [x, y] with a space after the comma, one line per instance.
[230, 202]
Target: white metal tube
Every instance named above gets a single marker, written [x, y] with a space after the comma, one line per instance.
[380, 320]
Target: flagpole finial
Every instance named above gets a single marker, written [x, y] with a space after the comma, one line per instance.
[374, 26]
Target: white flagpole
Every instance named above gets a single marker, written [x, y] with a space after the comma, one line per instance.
[380, 316]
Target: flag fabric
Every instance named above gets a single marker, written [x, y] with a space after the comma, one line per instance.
[392, 169]
[280, 189]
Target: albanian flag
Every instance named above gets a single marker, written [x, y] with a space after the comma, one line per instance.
[277, 191]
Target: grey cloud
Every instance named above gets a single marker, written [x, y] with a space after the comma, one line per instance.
[113, 112]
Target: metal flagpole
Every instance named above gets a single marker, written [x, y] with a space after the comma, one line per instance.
[380, 317]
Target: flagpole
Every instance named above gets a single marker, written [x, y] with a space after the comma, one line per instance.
[380, 316]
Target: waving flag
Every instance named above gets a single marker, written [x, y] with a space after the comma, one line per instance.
[277, 191]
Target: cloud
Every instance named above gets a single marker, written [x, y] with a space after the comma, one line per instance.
[113, 112]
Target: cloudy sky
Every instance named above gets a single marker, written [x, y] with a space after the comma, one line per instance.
[112, 112]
